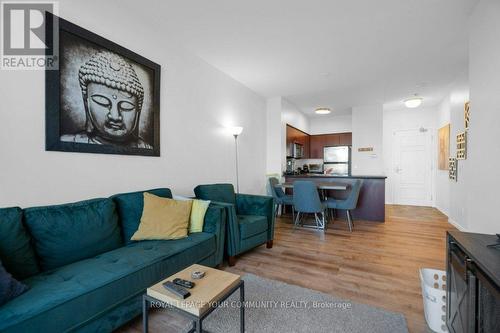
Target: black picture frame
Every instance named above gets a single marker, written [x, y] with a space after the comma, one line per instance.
[53, 95]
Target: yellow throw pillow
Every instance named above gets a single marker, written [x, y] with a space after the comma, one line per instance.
[198, 212]
[163, 218]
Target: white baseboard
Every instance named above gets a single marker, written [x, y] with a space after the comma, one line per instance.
[444, 211]
[456, 225]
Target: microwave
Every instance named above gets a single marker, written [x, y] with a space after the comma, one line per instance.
[296, 150]
[315, 168]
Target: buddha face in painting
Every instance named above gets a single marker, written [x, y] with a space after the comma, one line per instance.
[114, 113]
[112, 96]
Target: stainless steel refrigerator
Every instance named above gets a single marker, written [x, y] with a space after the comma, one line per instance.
[337, 160]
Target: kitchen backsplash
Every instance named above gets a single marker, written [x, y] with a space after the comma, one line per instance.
[301, 162]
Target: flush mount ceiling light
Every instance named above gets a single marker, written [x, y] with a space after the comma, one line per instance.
[323, 111]
[413, 102]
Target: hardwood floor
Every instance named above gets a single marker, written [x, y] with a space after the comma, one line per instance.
[377, 264]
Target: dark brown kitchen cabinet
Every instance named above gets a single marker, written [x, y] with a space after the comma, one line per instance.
[317, 144]
[314, 144]
[345, 139]
[294, 135]
[332, 140]
[307, 146]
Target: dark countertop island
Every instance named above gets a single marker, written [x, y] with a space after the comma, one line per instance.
[318, 175]
[371, 202]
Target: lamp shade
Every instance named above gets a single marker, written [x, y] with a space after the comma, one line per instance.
[235, 130]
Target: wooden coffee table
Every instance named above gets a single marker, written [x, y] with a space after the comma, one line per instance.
[207, 294]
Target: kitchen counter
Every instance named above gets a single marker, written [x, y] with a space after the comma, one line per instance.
[317, 175]
[371, 202]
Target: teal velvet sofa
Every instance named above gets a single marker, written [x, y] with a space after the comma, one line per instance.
[250, 218]
[83, 271]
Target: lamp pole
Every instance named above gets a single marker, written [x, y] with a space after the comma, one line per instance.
[235, 131]
[236, 155]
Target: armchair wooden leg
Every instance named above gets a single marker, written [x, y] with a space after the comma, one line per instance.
[231, 260]
[269, 244]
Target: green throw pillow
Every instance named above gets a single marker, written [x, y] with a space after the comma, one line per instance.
[198, 211]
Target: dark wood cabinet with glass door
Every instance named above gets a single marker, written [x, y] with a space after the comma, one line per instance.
[473, 283]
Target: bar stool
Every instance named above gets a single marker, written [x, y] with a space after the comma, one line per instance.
[306, 201]
[280, 198]
[348, 204]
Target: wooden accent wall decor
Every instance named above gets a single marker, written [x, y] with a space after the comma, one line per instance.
[444, 147]
[467, 115]
[462, 146]
[453, 168]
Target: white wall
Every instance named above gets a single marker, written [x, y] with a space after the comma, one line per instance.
[473, 198]
[483, 141]
[442, 187]
[197, 101]
[403, 119]
[274, 130]
[290, 115]
[367, 131]
[451, 196]
[330, 124]
[459, 190]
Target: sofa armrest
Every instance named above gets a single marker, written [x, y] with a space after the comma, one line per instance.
[215, 223]
[249, 204]
[232, 228]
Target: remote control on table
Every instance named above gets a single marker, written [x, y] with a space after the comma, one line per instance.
[176, 290]
[184, 283]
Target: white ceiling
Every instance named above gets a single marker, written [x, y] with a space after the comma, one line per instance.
[329, 53]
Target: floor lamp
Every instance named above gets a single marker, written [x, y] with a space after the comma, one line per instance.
[235, 131]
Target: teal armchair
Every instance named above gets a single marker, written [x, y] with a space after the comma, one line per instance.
[250, 218]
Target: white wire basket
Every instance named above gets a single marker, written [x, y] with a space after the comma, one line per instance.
[433, 282]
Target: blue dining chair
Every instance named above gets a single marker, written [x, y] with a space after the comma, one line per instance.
[280, 198]
[348, 204]
[306, 201]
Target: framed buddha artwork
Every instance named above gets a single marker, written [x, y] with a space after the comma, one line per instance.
[103, 98]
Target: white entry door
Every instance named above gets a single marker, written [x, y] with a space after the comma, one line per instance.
[412, 167]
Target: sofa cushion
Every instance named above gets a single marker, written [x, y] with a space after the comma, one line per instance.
[197, 218]
[10, 288]
[130, 206]
[75, 294]
[251, 225]
[16, 251]
[64, 234]
[163, 218]
[216, 192]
